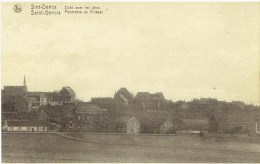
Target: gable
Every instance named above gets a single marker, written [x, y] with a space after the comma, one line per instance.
[133, 120]
[67, 91]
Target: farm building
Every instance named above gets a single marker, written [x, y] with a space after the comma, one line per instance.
[184, 125]
[25, 126]
[153, 125]
[195, 126]
[233, 123]
[125, 124]
[89, 118]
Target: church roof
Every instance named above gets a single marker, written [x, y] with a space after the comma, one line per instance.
[15, 90]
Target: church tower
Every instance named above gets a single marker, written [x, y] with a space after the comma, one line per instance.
[24, 84]
[24, 81]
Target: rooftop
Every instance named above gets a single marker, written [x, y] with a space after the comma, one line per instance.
[26, 123]
[86, 107]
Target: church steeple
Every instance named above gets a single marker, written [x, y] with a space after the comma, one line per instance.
[24, 81]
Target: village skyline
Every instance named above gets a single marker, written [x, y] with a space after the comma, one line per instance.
[134, 92]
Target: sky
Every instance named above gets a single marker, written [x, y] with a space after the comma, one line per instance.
[185, 50]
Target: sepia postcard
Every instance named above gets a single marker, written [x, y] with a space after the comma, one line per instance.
[128, 82]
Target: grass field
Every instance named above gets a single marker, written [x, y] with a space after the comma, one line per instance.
[55, 148]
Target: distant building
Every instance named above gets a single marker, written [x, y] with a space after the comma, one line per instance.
[233, 122]
[42, 97]
[65, 95]
[56, 99]
[68, 95]
[89, 118]
[10, 92]
[24, 126]
[150, 124]
[125, 124]
[15, 90]
[123, 97]
[149, 101]
[176, 124]
[194, 126]
[17, 99]
[104, 102]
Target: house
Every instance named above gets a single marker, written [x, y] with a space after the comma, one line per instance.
[123, 97]
[125, 124]
[89, 118]
[68, 95]
[56, 99]
[65, 95]
[42, 97]
[148, 101]
[233, 122]
[24, 126]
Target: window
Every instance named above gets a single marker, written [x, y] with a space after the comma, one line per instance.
[78, 117]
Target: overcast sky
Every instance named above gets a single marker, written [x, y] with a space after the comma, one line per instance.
[184, 50]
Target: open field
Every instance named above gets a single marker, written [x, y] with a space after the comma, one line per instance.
[54, 148]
